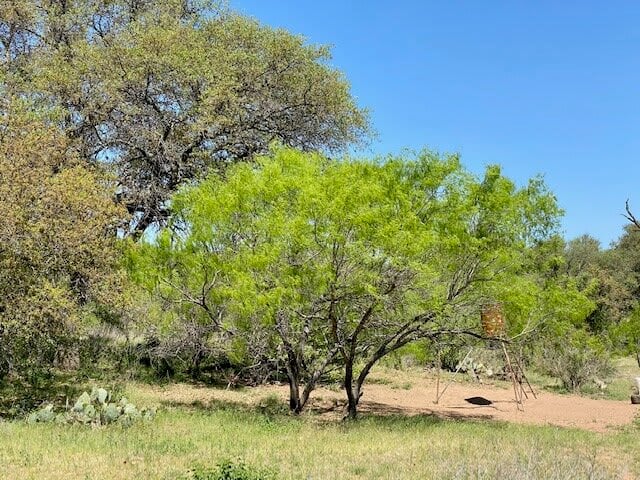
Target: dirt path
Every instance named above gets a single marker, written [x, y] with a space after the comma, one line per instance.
[546, 409]
[417, 397]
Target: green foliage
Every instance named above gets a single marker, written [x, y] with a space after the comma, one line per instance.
[321, 263]
[413, 354]
[451, 356]
[610, 276]
[293, 265]
[597, 289]
[272, 405]
[229, 470]
[59, 258]
[165, 91]
[96, 409]
[626, 334]
[623, 294]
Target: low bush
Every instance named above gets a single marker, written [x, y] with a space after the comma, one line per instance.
[577, 360]
[272, 406]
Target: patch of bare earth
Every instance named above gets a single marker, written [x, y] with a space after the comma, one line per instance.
[546, 409]
[418, 399]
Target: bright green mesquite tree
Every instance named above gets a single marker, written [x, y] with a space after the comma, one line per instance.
[343, 262]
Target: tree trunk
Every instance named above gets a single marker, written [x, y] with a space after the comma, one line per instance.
[293, 374]
[313, 379]
[308, 388]
[352, 407]
[196, 361]
[353, 393]
[298, 401]
[294, 396]
[638, 357]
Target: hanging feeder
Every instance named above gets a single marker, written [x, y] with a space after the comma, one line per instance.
[492, 319]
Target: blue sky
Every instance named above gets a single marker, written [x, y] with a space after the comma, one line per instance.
[550, 87]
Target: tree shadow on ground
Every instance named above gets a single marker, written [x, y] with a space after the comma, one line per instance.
[383, 409]
[332, 412]
[266, 406]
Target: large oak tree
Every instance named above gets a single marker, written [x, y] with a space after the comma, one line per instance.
[165, 91]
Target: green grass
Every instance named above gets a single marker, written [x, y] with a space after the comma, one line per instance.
[310, 448]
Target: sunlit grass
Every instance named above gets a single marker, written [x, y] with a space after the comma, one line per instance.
[207, 432]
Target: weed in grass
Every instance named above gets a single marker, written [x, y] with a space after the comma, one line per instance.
[380, 381]
[533, 466]
[229, 470]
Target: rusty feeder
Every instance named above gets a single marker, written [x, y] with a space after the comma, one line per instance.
[492, 319]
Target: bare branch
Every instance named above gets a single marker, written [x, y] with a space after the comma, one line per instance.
[630, 216]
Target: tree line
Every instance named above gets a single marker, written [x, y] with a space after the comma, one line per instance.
[173, 182]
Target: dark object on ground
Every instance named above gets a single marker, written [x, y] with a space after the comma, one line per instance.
[635, 399]
[478, 401]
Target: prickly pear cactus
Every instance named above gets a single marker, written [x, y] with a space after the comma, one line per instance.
[110, 413]
[82, 402]
[96, 409]
[99, 395]
[44, 414]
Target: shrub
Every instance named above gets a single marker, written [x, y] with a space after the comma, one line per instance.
[59, 255]
[190, 350]
[272, 405]
[411, 355]
[577, 360]
[451, 356]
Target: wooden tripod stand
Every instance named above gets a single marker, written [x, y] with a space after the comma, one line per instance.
[493, 326]
[513, 368]
[518, 378]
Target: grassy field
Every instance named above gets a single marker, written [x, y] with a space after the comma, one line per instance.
[188, 435]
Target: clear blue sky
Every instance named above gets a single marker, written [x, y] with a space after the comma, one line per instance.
[549, 87]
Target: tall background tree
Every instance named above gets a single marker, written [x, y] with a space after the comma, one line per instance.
[164, 92]
[58, 254]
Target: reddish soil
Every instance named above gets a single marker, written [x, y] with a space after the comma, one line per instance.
[547, 409]
[414, 393]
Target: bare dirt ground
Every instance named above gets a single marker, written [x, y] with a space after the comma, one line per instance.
[546, 409]
[414, 394]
